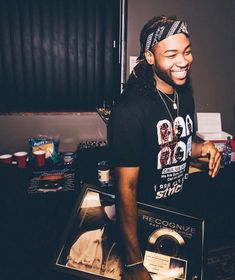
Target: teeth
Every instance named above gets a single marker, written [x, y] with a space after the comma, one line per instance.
[180, 74]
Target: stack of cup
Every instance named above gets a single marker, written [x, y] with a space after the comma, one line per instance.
[39, 157]
[7, 158]
[21, 159]
[233, 150]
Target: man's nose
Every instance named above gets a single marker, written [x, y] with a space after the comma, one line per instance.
[181, 61]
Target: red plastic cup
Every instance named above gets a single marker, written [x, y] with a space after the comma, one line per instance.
[39, 157]
[233, 150]
[7, 158]
[232, 141]
[21, 158]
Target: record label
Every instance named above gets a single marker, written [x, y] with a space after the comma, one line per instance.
[165, 266]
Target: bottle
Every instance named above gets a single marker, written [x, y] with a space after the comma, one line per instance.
[103, 173]
[226, 153]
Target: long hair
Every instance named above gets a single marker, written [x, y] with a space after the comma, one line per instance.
[141, 80]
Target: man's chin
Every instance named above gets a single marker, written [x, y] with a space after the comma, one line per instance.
[180, 82]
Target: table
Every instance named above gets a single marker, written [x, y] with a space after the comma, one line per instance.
[32, 225]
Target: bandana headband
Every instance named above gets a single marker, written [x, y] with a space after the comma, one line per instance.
[165, 31]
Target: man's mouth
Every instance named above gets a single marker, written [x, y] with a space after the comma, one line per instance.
[180, 74]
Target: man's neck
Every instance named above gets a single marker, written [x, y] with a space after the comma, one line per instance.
[163, 86]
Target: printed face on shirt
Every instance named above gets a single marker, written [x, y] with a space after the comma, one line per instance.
[171, 59]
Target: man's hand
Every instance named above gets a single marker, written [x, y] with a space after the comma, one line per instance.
[136, 273]
[209, 149]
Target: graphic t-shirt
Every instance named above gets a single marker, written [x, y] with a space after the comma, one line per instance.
[143, 133]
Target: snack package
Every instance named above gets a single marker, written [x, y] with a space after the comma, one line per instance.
[47, 144]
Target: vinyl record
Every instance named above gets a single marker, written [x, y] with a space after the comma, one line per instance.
[166, 241]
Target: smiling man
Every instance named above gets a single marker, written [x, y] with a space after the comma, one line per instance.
[151, 131]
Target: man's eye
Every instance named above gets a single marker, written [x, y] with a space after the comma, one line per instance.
[171, 56]
[188, 52]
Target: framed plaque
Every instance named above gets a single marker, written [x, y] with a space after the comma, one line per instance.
[54, 180]
[171, 242]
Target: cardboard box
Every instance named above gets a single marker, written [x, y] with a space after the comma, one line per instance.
[210, 127]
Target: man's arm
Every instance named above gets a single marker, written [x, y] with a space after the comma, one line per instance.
[208, 150]
[127, 178]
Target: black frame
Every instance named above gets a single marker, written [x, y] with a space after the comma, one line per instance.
[184, 234]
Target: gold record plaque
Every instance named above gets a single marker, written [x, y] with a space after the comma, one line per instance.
[171, 242]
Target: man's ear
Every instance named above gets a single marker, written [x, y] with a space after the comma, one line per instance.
[149, 57]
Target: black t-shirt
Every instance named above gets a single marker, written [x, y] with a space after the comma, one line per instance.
[141, 134]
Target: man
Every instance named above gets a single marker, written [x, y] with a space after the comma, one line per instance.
[151, 131]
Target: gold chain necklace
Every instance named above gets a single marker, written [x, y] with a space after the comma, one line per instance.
[176, 107]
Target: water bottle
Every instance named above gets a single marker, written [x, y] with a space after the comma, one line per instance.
[226, 153]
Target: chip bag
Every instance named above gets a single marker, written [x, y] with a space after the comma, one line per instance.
[47, 144]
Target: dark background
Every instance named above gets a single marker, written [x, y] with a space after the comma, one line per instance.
[58, 55]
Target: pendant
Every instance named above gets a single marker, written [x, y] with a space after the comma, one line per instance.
[174, 106]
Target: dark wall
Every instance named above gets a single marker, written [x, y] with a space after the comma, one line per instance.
[58, 55]
[212, 29]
